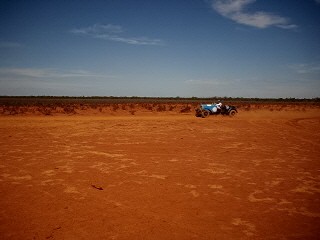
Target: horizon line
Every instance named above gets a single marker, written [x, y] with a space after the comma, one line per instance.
[156, 97]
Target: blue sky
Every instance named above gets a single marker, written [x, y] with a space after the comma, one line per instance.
[168, 48]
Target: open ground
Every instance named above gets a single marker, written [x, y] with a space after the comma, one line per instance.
[161, 175]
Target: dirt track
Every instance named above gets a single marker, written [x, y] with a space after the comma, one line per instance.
[256, 176]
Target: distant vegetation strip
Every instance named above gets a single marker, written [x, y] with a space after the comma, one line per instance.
[45, 105]
[36, 100]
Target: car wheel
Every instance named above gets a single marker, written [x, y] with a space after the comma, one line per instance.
[205, 113]
[232, 113]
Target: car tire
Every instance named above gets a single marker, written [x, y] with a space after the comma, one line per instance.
[232, 113]
[205, 113]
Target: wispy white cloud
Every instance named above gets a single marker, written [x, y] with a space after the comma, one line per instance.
[114, 33]
[306, 68]
[213, 82]
[204, 82]
[5, 44]
[295, 86]
[49, 81]
[235, 10]
[46, 73]
[99, 30]
[317, 1]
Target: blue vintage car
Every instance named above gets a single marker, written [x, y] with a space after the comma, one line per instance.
[204, 110]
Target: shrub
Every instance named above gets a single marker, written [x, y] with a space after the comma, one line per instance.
[115, 107]
[186, 109]
[161, 108]
[148, 107]
[69, 110]
[132, 106]
[172, 107]
[46, 111]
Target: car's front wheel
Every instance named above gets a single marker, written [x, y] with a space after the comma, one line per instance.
[205, 113]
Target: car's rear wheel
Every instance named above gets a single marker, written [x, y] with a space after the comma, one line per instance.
[232, 113]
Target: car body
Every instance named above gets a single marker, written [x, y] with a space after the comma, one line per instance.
[204, 110]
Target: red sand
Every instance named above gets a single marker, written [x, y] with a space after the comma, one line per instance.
[255, 176]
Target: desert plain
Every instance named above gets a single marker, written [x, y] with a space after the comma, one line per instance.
[161, 175]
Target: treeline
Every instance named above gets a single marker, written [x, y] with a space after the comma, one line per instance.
[160, 99]
[51, 105]
[97, 100]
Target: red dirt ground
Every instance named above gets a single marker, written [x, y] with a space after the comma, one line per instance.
[161, 176]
